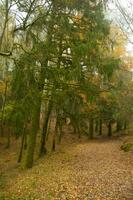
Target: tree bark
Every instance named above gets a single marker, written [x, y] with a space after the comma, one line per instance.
[100, 127]
[118, 126]
[43, 150]
[54, 135]
[96, 126]
[5, 22]
[25, 141]
[3, 107]
[91, 128]
[125, 125]
[22, 147]
[110, 129]
[32, 136]
[8, 138]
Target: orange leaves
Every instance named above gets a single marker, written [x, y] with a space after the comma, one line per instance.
[84, 97]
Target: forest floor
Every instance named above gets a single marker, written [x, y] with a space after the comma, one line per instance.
[78, 170]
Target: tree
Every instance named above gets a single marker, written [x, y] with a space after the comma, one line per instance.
[63, 67]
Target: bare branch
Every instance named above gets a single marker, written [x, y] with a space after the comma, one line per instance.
[5, 53]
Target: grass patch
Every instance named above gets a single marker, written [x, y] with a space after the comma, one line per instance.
[2, 182]
[127, 147]
[2, 197]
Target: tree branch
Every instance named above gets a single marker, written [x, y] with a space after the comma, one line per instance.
[5, 53]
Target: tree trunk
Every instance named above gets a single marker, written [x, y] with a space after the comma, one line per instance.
[100, 127]
[60, 135]
[3, 107]
[125, 125]
[5, 22]
[96, 126]
[32, 137]
[45, 129]
[8, 138]
[78, 131]
[91, 128]
[25, 141]
[22, 147]
[110, 129]
[118, 126]
[54, 135]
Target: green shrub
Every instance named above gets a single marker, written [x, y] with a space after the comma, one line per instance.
[127, 147]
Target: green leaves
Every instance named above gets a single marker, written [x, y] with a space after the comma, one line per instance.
[127, 147]
[109, 65]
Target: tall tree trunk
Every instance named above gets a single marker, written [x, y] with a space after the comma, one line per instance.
[42, 150]
[25, 141]
[60, 133]
[3, 107]
[5, 22]
[109, 129]
[8, 138]
[22, 147]
[78, 131]
[32, 136]
[119, 125]
[91, 128]
[96, 126]
[54, 135]
[125, 125]
[60, 128]
[100, 127]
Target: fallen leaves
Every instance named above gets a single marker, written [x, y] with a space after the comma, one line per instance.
[96, 170]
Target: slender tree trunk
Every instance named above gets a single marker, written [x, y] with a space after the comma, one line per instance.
[73, 122]
[54, 135]
[100, 127]
[60, 133]
[110, 129]
[8, 138]
[5, 22]
[78, 131]
[45, 129]
[96, 126]
[53, 142]
[25, 141]
[91, 128]
[22, 147]
[118, 126]
[125, 125]
[60, 129]
[3, 107]
[32, 136]
[74, 128]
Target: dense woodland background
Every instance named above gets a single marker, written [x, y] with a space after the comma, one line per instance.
[65, 74]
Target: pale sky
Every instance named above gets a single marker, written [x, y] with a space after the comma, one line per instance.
[116, 16]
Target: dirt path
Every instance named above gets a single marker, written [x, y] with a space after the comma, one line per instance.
[96, 170]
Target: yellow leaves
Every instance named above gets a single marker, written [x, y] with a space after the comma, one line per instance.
[119, 41]
[104, 95]
[81, 36]
[84, 97]
[90, 107]
[128, 62]
[77, 18]
[2, 87]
